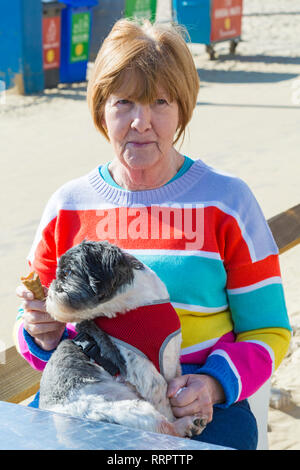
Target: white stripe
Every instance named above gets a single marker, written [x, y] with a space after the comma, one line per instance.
[220, 352]
[200, 346]
[267, 347]
[199, 308]
[257, 285]
[163, 252]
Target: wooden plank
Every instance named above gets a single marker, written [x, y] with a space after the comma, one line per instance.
[18, 380]
[286, 228]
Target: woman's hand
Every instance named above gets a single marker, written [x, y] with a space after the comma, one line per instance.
[193, 394]
[37, 322]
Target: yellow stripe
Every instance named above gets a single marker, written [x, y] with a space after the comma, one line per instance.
[277, 338]
[197, 327]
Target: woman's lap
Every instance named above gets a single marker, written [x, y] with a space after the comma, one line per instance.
[233, 427]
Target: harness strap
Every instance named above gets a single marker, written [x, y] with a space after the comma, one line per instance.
[91, 349]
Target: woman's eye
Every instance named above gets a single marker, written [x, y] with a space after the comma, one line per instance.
[123, 102]
[161, 101]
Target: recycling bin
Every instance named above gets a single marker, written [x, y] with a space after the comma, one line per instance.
[210, 21]
[21, 58]
[141, 9]
[51, 41]
[104, 17]
[76, 26]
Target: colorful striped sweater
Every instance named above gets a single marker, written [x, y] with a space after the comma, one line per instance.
[205, 236]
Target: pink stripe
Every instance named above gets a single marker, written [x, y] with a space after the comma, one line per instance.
[71, 330]
[34, 361]
[253, 364]
[199, 357]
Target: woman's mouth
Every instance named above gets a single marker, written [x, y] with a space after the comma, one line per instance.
[140, 144]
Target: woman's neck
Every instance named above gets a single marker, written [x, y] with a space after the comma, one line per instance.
[144, 179]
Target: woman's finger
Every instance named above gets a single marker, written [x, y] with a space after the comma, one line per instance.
[197, 407]
[24, 293]
[37, 305]
[34, 316]
[176, 385]
[36, 329]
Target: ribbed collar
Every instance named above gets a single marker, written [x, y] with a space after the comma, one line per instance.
[166, 193]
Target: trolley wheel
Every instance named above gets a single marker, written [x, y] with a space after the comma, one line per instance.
[211, 52]
[233, 46]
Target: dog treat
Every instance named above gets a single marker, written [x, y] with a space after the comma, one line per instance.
[33, 283]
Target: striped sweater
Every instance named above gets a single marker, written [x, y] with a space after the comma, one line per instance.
[205, 236]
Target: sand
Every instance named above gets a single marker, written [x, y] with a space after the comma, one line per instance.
[246, 122]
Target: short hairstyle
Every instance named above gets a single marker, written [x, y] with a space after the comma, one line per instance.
[152, 55]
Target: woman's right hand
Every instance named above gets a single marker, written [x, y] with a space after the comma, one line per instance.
[38, 323]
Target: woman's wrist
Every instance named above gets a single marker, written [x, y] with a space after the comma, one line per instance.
[216, 390]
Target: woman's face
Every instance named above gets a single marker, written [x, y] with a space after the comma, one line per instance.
[142, 135]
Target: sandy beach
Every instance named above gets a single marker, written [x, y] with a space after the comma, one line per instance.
[247, 122]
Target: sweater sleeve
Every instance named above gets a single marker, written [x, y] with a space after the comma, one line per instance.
[256, 301]
[42, 259]
[27, 347]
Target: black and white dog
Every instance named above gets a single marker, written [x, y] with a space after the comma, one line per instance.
[99, 374]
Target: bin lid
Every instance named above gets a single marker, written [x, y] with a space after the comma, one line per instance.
[80, 3]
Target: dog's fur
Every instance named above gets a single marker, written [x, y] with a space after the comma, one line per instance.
[95, 279]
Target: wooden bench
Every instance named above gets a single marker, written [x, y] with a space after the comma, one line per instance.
[18, 381]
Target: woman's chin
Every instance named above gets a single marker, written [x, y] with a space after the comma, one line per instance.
[141, 160]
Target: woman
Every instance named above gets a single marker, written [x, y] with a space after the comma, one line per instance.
[201, 231]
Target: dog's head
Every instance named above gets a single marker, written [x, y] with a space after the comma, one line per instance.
[88, 275]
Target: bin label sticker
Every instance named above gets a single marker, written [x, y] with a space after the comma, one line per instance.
[51, 42]
[141, 9]
[226, 19]
[80, 35]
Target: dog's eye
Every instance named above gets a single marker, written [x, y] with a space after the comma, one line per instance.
[66, 272]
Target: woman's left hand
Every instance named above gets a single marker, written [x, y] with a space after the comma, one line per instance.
[193, 394]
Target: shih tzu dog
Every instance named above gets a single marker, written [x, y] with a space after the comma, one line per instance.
[128, 344]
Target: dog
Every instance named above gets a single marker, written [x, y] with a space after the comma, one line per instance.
[99, 375]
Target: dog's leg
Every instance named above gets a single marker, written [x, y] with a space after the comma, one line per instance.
[135, 413]
[147, 381]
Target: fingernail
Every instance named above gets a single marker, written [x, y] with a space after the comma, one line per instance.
[30, 296]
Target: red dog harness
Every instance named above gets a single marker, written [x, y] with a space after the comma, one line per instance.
[147, 330]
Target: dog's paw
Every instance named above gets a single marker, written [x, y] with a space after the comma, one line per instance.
[198, 425]
[190, 426]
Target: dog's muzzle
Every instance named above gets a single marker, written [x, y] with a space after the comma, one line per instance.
[91, 349]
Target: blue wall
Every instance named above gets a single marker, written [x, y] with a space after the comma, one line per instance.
[21, 59]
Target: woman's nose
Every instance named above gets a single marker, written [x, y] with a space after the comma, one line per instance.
[141, 120]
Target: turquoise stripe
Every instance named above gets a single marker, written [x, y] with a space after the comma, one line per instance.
[104, 172]
[263, 308]
[190, 279]
[20, 313]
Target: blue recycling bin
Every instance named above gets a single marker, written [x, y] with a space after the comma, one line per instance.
[76, 24]
[21, 56]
